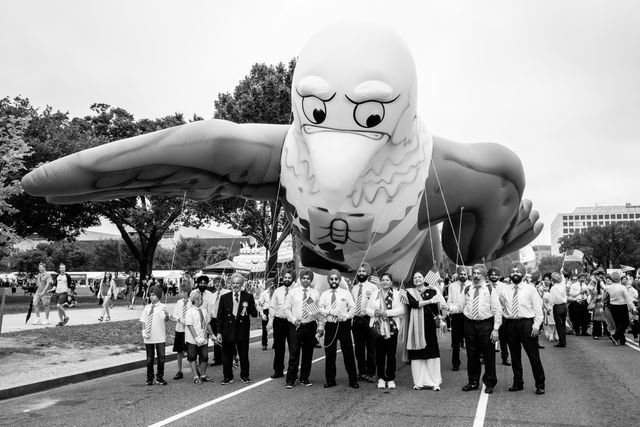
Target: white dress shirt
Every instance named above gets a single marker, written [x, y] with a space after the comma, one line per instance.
[278, 302]
[578, 292]
[198, 323]
[177, 313]
[295, 302]
[455, 299]
[264, 300]
[158, 327]
[208, 300]
[529, 303]
[619, 295]
[342, 309]
[368, 289]
[557, 294]
[488, 304]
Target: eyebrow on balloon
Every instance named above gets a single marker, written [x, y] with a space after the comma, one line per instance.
[372, 90]
[315, 86]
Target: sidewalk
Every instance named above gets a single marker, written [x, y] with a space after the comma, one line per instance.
[31, 379]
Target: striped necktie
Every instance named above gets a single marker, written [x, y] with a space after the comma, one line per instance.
[147, 325]
[184, 310]
[514, 302]
[359, 300]
[476, 303]
[333, 299]
[305, 308]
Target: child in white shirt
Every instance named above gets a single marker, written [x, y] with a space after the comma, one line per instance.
[154, 333]
[197, 330]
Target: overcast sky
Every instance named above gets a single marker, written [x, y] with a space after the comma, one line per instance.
[556, 81]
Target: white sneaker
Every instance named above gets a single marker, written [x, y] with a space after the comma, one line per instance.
[391, 384]
[45, 322]
[381, 383]
[36, 321]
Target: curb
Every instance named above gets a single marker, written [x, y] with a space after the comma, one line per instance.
[36, 387]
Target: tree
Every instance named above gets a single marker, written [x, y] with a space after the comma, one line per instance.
[215, 254]
[610, 245]
[189, 254]
[13, 152]
[549, 264]
[263, 96]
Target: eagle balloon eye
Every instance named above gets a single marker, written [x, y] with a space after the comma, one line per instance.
[369, 114]
[315, 110]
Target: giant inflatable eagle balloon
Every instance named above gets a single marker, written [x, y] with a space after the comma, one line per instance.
[359, 175]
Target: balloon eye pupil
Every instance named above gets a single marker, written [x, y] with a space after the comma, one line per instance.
[373, 120]
[319, 115]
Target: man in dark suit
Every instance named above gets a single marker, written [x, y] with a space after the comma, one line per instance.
[233, 325]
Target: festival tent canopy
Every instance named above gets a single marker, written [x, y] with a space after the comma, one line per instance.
[225, 266]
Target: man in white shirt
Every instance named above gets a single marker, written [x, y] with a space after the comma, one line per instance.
[337, 307]
[483, 317]
[220, 289]
[279, 323]
[577, 299]
[197, 331]
[493, 275]
[558, 297]
[301, 309]
[522, 310]
[362, 338]
[264, 300]
[455, 304]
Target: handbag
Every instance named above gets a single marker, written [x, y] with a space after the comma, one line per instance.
[100, 301]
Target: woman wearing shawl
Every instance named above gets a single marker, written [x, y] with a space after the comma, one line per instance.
[386, 309]
[422, 340]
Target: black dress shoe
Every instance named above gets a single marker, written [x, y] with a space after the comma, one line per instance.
[216, 363]
[178, 376]
[277, 375]
[488, 390]
[470, 386]
[540, 390]
[516, 388]
[354, 384]
[560, 345]
[455, 368]
[506, 363]
[329, 385]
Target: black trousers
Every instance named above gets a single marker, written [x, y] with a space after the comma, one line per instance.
[281, 335]
[386, 357]
[620, 314]
[519, 336]
[334, 333]
[363, 345]
[504, 345]
[579, 317]
[264, 329]
[477, 335]
[596, 330]
[217, 350]
[159, 350]
[303, 341]
[229, 349]
[560, 318]
[457, 337]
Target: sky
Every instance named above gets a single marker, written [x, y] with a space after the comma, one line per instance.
[556, 81]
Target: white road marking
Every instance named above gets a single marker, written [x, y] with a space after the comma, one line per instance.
[633, 346]
[218, 400]
[481, 411]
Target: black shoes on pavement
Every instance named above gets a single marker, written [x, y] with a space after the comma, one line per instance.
[470, 387]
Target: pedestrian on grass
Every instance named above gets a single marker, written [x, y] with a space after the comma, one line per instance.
[106, 291]
[154, 332]
[42, 294]
[62, 289]
[197, 334]
[179, 316]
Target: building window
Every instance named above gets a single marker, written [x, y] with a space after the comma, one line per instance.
[565, 223]
[606, 216]
[570, 224]
[619, 216]
[582, 217]
[624, 216]
[564, 217]
[638, 215]
[565, 231]
[599, 216]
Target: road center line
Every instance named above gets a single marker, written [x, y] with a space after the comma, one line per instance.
[219, 399]
[632, 346]
[481, 411]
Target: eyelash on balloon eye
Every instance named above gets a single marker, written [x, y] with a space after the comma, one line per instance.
[323, 100]
[370, 100]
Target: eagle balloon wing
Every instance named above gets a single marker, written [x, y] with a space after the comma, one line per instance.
[211, 158]
[476, 191]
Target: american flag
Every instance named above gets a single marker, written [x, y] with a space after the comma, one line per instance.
[403, 296]
[312, 306]
[432, 277]
[375, 280]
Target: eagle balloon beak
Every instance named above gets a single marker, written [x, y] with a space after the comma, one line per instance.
[338, 158]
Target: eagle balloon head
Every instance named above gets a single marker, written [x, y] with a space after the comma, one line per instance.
[354, 104]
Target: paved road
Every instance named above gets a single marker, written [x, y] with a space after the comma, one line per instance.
[588, 383]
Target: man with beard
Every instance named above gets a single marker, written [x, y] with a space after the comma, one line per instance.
[234, 324]
[279, 323]
[337, 306]
[558, 298]
[455, 304]
[578, 312]
[362, 338]
[494, 279]
[302, 311]
[482, 319]
[522, 308]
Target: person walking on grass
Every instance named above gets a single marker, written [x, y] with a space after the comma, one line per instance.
[106, 291]
[42, 295]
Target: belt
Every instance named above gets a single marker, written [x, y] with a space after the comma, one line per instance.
[519, 319]
[466, 319]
